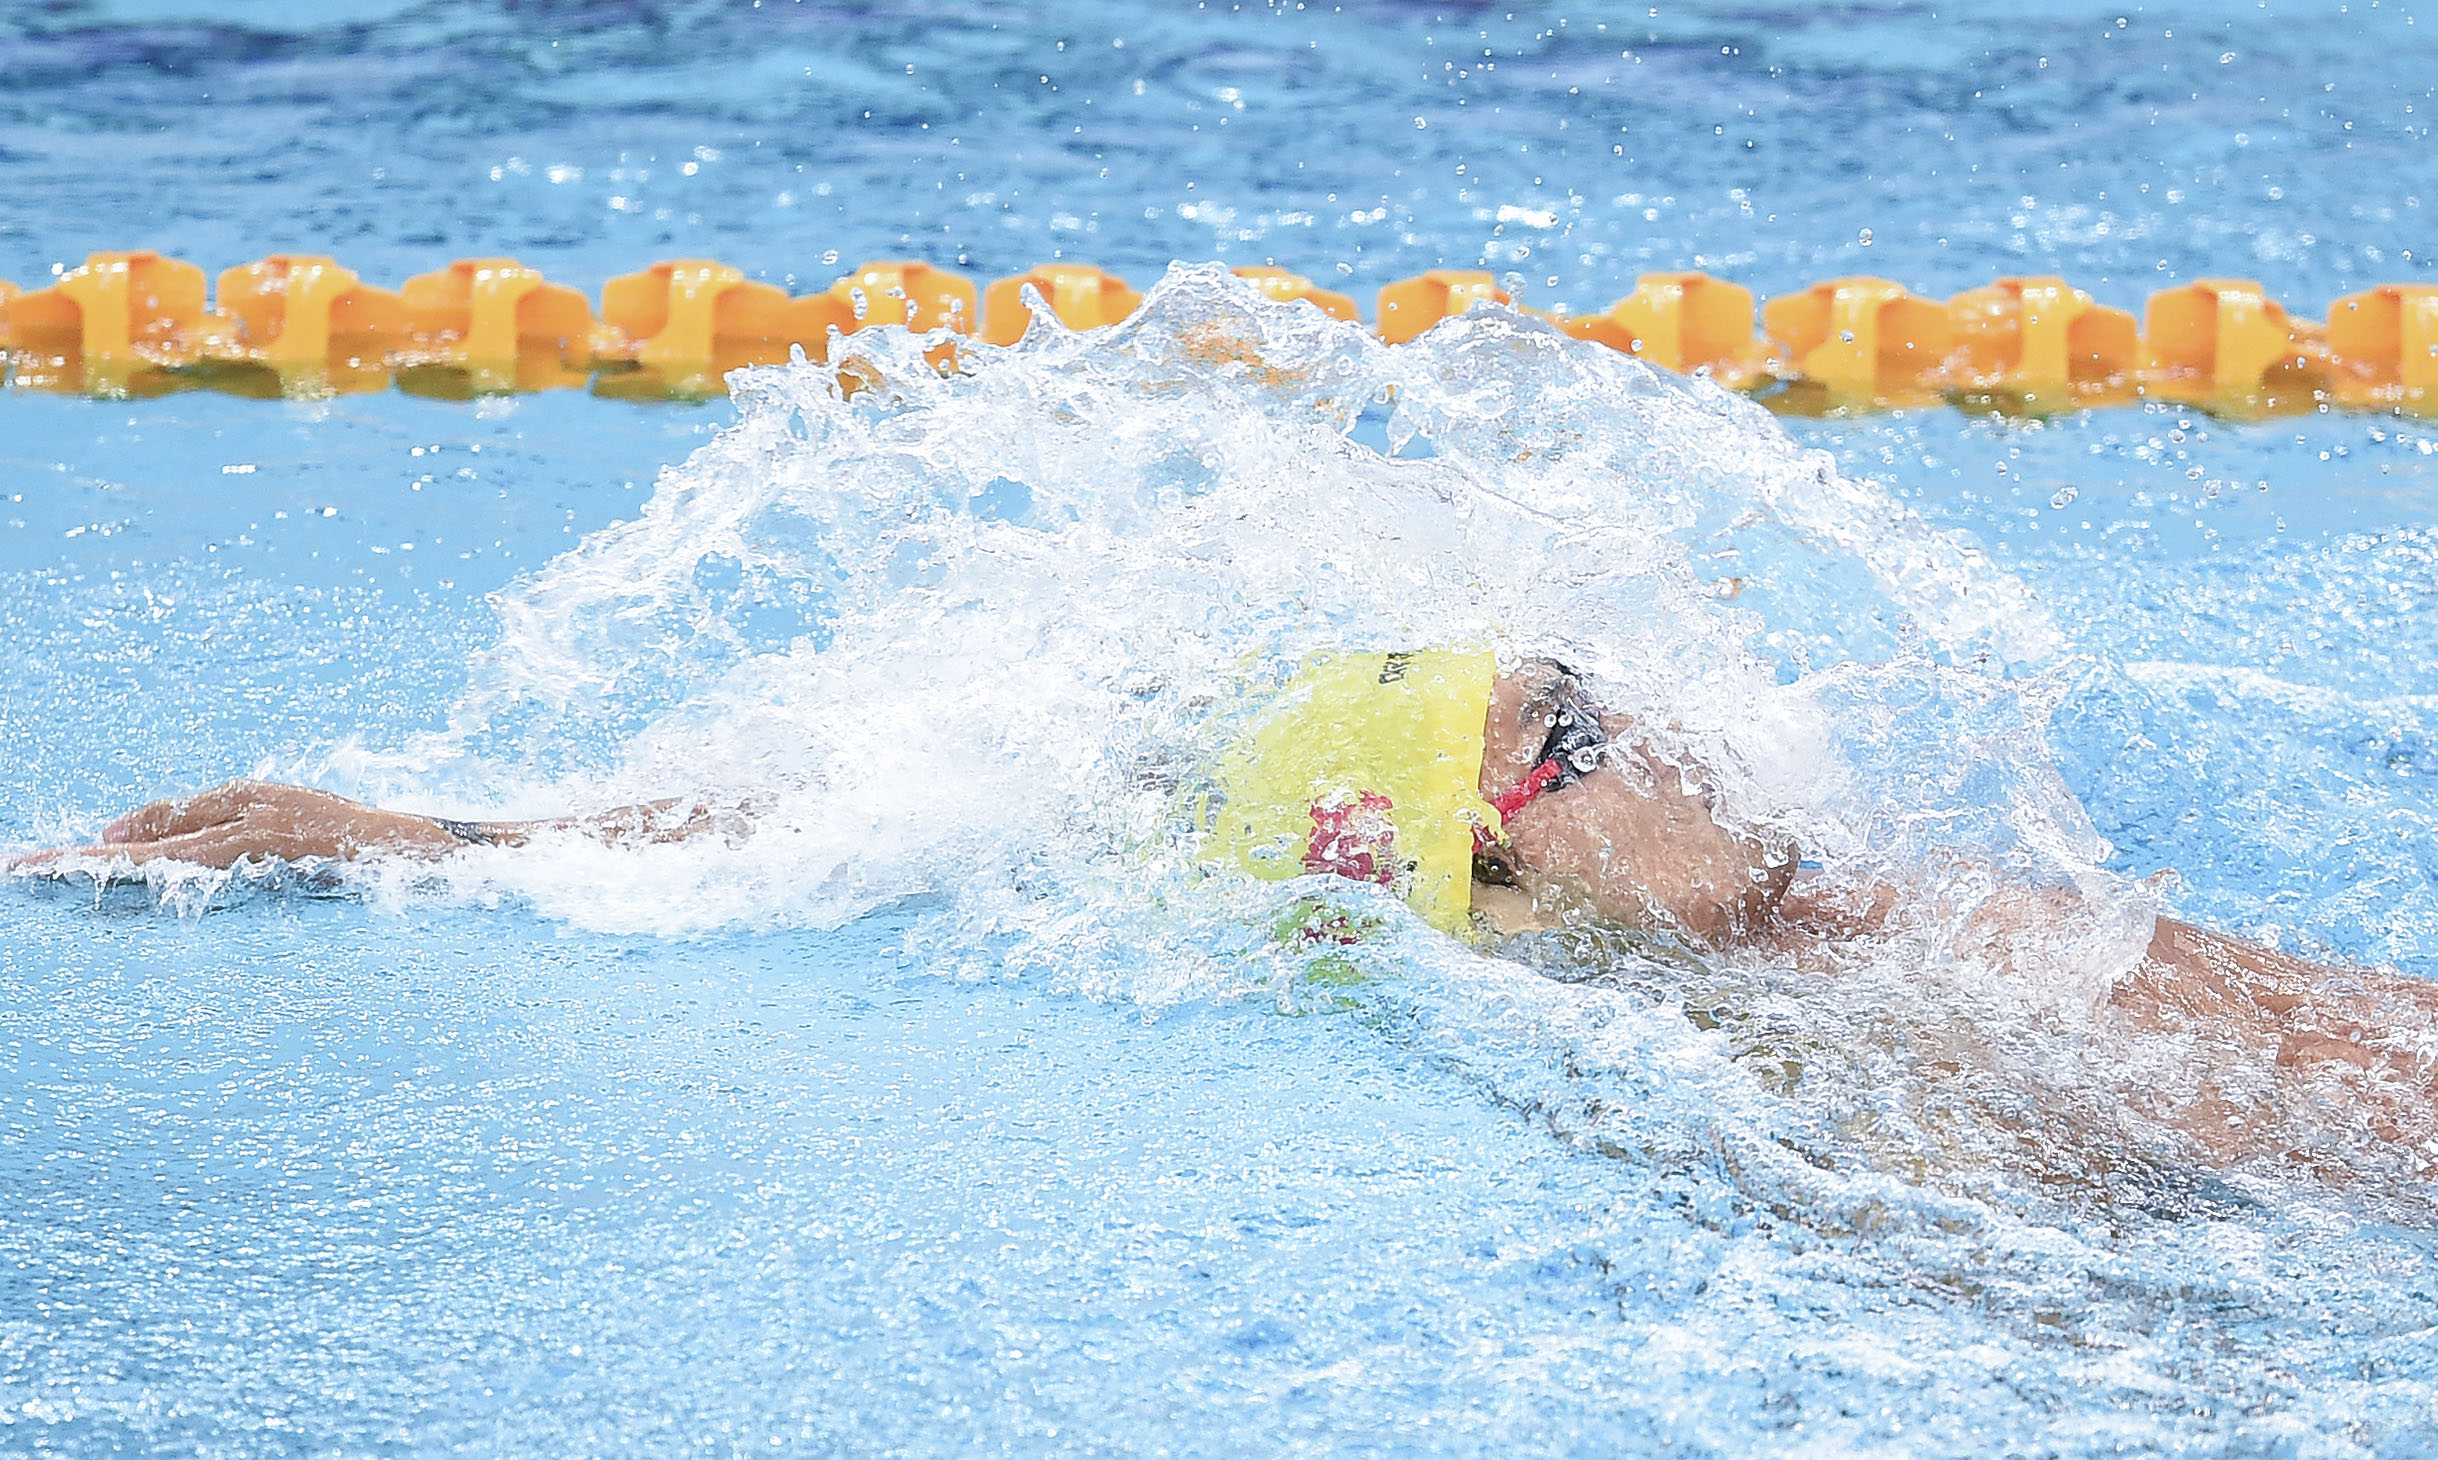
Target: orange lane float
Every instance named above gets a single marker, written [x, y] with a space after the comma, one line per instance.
[8, 291]
[112, 327]
[1686, 322]
[1082, 296]
[901, 292]
[2041, 345]
[483, 326]
[308, 324]
[2384, 343]
[1410, 306]
[2224, 345]
[1859, 342]
[1286, 286]
[685, 323]
[895, 292]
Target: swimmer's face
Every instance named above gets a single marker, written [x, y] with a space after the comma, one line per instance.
[1627, 841]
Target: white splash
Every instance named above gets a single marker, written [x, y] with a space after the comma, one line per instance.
[952, 633]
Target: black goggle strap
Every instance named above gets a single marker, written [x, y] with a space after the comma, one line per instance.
[1576, 738]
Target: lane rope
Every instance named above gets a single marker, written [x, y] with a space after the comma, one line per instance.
[140, 323]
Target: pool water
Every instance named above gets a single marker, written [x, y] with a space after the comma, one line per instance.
[954, 1111]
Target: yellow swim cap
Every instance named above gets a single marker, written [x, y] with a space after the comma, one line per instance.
[1368, 766]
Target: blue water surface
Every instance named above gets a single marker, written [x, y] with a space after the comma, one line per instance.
[311, 1174]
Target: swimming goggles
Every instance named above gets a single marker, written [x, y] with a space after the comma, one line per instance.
[1570, 751]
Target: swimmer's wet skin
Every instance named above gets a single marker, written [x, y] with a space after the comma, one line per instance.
[247, 820]
[1491, 802]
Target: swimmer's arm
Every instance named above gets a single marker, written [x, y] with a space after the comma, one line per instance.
[249, 819]
[1820, 906]
[2307, 1011]
[2362, 1040]
[669, 819]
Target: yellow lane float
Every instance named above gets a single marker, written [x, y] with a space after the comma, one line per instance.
[484, 326]
[1861, 342]
[304, 324]
[2042, 345]
[1082, 296]
[2224, 345]
[1411, 306]
[1686, 322]
[1283, 285]
[115, 326]
[2384, 342]
[685, 323]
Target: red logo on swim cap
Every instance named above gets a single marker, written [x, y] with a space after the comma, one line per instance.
[1354, 839]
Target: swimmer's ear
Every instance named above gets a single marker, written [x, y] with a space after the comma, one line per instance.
[1492, 868]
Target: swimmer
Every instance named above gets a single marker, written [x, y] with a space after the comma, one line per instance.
[1524, 806]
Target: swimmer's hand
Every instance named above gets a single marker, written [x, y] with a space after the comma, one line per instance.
[228, 824]
[259, 819]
